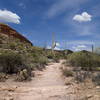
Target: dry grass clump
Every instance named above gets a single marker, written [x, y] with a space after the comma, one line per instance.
[3, 77]
[23, 76]
[96, 79]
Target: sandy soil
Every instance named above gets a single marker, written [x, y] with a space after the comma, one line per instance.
[47, 85]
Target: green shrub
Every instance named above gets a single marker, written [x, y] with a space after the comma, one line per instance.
[86, 60]
[43, 60]
[50, 55]
[40, 62]
[12, 46]
[67, 73]
[55, 55]
[39, 58]
[12, 62]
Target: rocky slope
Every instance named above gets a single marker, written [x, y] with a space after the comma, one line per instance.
[7, 30]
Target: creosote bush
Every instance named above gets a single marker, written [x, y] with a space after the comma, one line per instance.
[11, 62]
[85, 60]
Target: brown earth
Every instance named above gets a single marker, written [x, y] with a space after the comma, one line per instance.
[47, 85]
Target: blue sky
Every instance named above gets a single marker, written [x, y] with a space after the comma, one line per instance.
[74, 22]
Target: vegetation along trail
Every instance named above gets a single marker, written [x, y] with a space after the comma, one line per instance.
[47, 85]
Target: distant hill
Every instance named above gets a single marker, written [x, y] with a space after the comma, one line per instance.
[7, 30]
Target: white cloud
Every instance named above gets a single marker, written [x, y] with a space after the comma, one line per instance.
[8, 16]
[84, 17]
[79, 47]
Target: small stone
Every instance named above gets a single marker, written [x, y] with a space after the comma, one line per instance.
[97, 87]
[6, 77]
[89, 87]
[89, 96]
[11, 90]
[9, 98]
[68, 83]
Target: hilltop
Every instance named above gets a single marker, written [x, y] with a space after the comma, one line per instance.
[10, 32]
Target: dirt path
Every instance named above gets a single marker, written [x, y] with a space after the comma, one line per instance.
[47, 85]
[50, 77]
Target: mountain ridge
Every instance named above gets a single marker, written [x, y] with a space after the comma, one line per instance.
[7, 30]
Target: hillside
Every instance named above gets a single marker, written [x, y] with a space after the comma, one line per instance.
[7, 30]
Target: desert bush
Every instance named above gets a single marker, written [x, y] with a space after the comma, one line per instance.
[40, 62]
[3, 77]
[12, 45]
[12, 62]
[50, 55]
[39, 59]
[23, 76]
[67, 73]
[55, 55]
[81, 76]
[43, 60]
[86, 60]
